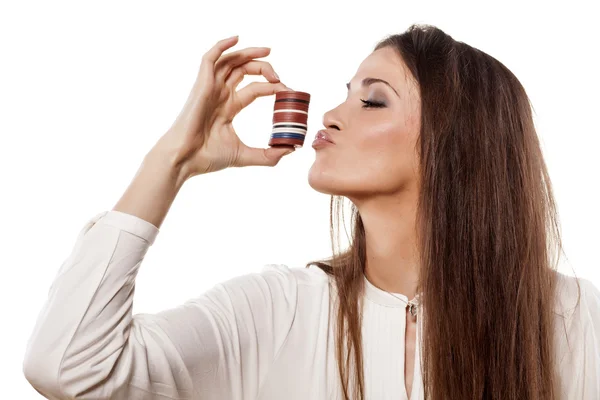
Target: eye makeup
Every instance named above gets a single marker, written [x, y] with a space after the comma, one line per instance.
[372, 104]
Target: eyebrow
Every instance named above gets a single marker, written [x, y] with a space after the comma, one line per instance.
[370, 81]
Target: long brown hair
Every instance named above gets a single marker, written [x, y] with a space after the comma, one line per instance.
[487, 226]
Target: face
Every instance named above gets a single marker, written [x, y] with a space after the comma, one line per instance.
[374, 151]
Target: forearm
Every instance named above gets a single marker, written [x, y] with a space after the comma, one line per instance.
[153, 189]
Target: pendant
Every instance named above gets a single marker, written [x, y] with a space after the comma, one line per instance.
[412, 308]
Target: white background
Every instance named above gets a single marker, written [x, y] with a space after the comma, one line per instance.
[87, 88]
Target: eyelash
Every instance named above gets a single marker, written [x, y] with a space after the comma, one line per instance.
[371, 104]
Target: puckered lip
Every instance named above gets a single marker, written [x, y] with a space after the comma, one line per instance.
[323, 134]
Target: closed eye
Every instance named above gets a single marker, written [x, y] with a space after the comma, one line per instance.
[372, 104]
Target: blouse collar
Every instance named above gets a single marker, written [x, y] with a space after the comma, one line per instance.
[382, 297]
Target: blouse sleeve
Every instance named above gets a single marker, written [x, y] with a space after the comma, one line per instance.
[590, 357]
[577, 339]
[87, 344]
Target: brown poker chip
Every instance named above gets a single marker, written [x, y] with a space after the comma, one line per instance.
[279, 142]
[291, 106]
[291, 102]
[292, 98]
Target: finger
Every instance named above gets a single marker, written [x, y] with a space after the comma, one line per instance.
[228, 62]
[268, 157]
[211, 56]
[254, 90]
[251, 68]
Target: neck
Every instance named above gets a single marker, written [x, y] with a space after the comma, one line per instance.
[391, 248]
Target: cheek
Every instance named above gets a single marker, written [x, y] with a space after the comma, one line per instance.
[387, 141]
[388, 150]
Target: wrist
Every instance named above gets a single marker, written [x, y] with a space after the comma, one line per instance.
[154, 187]
[168, 160]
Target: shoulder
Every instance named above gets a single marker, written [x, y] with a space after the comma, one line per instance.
[312, 275]
[308, 289]
[577, 339]
[295, 279]
[576, 297]
[577, 312]
[275, 282]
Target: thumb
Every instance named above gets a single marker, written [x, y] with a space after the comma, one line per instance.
[268, 157]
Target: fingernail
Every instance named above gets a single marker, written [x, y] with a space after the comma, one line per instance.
[276, 76]
[288, 152]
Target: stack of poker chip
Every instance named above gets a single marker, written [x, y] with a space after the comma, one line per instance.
[290, 116]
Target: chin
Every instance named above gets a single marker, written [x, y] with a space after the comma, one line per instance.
[320, 181]
[326, 183]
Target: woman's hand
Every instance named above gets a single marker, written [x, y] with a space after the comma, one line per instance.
[202, 137]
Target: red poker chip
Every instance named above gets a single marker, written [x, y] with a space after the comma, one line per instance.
[290, 120]
[290, 104]
[290, 107]
[291, 114]
[283, 93]
[292, 97]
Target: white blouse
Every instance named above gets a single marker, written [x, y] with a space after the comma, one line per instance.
[259, 336]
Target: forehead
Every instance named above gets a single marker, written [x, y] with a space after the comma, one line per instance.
[386, 64]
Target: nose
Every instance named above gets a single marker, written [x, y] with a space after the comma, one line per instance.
[331, 119]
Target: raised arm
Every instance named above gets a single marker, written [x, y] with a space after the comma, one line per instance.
[86, 343]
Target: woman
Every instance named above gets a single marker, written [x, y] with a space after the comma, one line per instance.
[453, 222]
